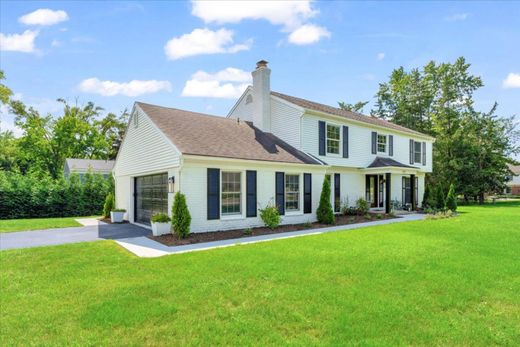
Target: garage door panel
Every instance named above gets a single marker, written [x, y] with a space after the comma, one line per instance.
[151, 196]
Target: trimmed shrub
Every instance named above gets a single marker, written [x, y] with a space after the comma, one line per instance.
[181, 218]
[324, 212]
[451, 199]
[109, 205]
[270, 216]
[362, 206]
[440, 203]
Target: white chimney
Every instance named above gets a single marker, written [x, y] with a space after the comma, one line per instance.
[262, 96]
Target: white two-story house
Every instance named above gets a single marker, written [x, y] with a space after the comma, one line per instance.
[272, 148]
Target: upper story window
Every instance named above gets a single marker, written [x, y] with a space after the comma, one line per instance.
[417, 152]
[381, 143]
[292, 192]
[231, 193]
[333, 138]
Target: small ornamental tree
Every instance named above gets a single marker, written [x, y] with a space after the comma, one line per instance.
[324, 212]
[181, 218]
[109, 205]
[426, 197]
[451, 199]
[440, 202]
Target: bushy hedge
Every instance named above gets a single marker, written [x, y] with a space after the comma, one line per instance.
[26, 196]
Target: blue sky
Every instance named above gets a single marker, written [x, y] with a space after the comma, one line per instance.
[198, 56]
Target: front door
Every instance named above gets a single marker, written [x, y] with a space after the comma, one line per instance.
[407, 191]
[150, 197]
[375, 190]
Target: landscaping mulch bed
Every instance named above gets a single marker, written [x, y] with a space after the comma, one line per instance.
[173, 240]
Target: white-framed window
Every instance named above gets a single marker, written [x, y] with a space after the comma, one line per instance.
[417, 152]
[381, 143]
[231, 198]
[333, 138]
[292, 192]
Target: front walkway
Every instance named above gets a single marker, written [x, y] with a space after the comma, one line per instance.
[51, 237]
[148, 248]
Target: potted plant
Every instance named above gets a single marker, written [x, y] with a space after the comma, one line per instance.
[117, 215]
[160, 224]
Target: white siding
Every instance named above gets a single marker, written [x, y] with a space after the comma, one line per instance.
[243, 109]
[285, 122]
[360, 141]
[194, 186]
[145, 148]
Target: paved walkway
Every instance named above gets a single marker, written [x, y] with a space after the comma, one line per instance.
[49, 237]
[145, 247]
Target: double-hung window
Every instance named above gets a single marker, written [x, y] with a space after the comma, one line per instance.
[333, 138]
[381, 143]
[231, 193]
[292, 192]
[417, 152]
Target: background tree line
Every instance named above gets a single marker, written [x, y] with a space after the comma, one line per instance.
[472, 148]
[31, 166]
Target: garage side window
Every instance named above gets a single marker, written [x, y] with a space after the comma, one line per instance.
[231, 193]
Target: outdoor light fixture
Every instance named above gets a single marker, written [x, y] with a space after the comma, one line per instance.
[171, 184]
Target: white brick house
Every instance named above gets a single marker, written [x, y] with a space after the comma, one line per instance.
[271, 148]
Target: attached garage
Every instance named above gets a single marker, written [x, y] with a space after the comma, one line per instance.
[151, 196]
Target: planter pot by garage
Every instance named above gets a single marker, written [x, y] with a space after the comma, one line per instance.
[159, 229]
[117, 217]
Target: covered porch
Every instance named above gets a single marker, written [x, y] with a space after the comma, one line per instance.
[391, 185]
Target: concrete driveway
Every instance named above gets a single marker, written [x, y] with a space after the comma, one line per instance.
[49, 237]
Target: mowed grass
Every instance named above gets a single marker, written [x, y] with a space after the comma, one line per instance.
[12, 225]
[441, 282]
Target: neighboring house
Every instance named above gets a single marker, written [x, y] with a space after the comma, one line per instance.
[81, 166]
[271, 149]
[513, 184]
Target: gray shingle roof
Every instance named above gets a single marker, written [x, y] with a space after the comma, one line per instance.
[205, 135]
[311, 105]
[84, 164]
[386, 162]
[515, 169]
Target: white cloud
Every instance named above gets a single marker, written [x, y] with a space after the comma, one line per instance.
[290, 14]
[19, 42]
[380, 56]
[56, 43]
[293, 16]
[132, 88]
[308, 34]
[456, 17]
[203, 41]
[229, 83]
[44, 16]
[512, 81]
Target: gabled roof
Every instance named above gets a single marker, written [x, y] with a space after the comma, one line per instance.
[387, 162]
[213, 136]
[85, 164]
[515, 169]
[311, 105]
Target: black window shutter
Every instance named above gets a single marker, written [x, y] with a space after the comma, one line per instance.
[213, 193]
[424, 153]
[374, 142]
[345, 141]
[280, 192]
[337, 192]
[403, 190]
[390, 145]
[322, 137]
[307, 193]
[250, 193]
[411, 152]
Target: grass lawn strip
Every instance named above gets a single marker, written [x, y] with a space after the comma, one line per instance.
[13, 225]
[440, 282]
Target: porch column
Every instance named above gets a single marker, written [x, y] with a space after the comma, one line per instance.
[412, 188]
[388, 197]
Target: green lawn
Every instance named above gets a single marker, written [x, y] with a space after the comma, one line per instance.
[10, 225]
[439, 282]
